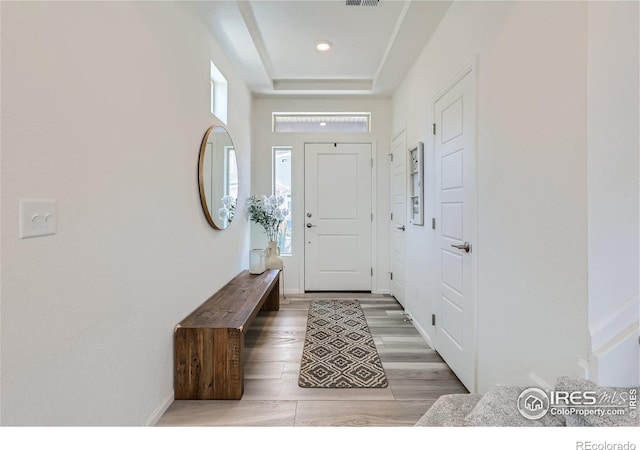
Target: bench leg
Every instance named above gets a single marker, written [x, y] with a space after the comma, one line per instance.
[209, 364]
[273, 300]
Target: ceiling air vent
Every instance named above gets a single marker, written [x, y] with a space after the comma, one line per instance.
[362, 2]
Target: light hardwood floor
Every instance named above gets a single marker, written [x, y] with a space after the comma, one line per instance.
[273, 345]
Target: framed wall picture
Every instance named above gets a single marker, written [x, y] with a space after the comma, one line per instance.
[416, 184]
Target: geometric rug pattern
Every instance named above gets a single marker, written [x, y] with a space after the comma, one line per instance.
[339, 351]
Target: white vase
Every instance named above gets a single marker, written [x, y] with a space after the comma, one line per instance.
[257, 261]
[273, 256]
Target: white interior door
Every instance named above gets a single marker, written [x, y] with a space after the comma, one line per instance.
[338, 217]
[454, 205]
[398, 216]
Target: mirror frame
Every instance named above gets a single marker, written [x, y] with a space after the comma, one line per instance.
[203, 198]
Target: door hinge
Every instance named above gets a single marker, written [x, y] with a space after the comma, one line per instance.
[391, 275]
[433, 319]
[372, 217]
[391, 156]
[372, 271]
[391, 216]
[433, 223]
[434, 129]
[371, 162]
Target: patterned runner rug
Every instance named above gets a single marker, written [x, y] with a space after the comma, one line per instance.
[338, 348]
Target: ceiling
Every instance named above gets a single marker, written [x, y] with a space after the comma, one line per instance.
[272, 42]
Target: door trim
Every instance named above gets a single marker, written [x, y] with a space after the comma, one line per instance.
[397, 135]
[374, 207]
[471, 69]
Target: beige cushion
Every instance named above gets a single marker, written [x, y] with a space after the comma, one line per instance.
[498, 408]
[449, 411]
[572, 384]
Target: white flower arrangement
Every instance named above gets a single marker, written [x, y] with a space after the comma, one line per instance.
[268, 212]
[228, 210]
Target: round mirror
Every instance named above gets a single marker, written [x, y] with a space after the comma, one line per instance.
[218, 177]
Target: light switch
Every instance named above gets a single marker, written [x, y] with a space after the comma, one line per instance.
[37, 218]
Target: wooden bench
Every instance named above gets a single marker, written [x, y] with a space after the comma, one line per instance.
[209, 342]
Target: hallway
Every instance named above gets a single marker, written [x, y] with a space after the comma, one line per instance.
[417, 375]
[110, 185]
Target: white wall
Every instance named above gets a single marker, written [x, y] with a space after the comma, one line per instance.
[104, 105]
[614, 305]
[264, 140]
[532, 181]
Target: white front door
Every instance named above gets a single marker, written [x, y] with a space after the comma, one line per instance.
[398, 215]
[454, 210]
[337, 197]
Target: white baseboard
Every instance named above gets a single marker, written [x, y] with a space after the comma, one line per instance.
[160, 410]
[300, 291]
[614, 359]
[606, 328]
[617, 362]
[421, 330]
[583, 370]
[293, 291]
[540, 382]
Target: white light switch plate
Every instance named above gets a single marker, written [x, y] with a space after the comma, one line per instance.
[37, 218]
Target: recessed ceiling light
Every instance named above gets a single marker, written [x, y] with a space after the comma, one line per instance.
[323, 46]
[323, 124]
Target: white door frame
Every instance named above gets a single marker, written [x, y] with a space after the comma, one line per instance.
[374, 204]
[395, 136]
[471, 69]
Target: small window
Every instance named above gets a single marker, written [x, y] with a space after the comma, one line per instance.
[282, 186]
[218, 94]
[322, 122]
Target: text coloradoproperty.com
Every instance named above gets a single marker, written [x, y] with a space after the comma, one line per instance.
[584, 411]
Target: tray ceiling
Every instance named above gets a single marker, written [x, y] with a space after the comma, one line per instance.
[272, 42]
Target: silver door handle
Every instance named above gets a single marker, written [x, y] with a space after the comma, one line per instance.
[466, 247]
[400, 228]
[309, 225]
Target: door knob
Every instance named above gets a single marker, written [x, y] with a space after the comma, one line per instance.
[466, 247]
[401, 228]
[309, 225]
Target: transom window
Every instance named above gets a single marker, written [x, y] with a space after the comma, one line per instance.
[322, 122]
